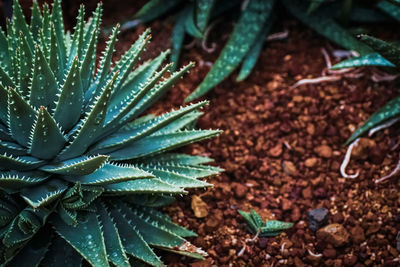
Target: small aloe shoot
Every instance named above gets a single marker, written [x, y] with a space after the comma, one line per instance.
[263, 228]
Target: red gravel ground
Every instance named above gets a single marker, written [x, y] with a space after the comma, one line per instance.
[281, 150]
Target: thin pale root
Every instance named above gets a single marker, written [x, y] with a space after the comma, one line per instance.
[346, 161]
[390, 175]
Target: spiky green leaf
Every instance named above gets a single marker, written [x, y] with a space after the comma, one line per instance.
[245, 33]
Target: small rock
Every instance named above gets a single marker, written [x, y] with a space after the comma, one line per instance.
[323, 151]
[310, 162]
[329, 253]
[337, 217]
[286, 204]
[298, 262]
[240, 190]
[289, 168]
[320, 192]
[317, 218]
[199, 207]
[350, 260]
[201, 264]
[276, 151]
[306, 192]
[296, 214]
[211, 224]
[263, 242]
[357, 234]
[334, 234]
[398, 241]
[373, 228]
[361, 150]
[311, 129]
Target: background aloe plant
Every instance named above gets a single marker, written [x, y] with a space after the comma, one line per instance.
[81, 172]
[256, 18]
[386, 55]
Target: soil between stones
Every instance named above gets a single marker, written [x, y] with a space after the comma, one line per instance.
[281, 150]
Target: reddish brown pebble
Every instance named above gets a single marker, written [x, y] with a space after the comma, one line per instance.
[323, 151]
[335, 234]
[310, 162]
[289, 168]
[200, 264]
[212, 224]
[199, 207]
[357, 234]
[329, 253]
[240, 190]
[276, 151]
[350, 260]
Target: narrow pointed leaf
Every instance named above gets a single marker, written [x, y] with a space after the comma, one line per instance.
[153, 185]
[71, 99]
[389, 51]
[57, 19]
[3, 105]
[164, 221]
[44, 88]
[156, 144]
[21, 117]
[272, 226]
[151, 233]
[91, 125]
[115, 250]
[23, 163]
[105, 61]
[87, 238]
[44, 194]
[177, 38]
[388, 111]
[47, 139]
[110, 174]
[83, 165]
[11, 148]
[190, 24]
[4, 52]
[13, 180]
[203, 12]
[25, 66]
[192, 171]
[154, 9]
[392, 9]
[145, 129]
[373, 59]
[324, 24]
[245, 33]
[133, 242]
[177, 158]
[176, 179]
[251, 58]
[19, 22]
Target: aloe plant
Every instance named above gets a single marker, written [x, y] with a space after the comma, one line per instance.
[82, 170]
[264, 228]
[256, 18]
[387, 55]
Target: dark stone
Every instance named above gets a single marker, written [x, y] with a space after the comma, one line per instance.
[398, 241]
[262, 242]
[317, 218]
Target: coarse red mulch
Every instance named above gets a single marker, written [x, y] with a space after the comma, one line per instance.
[281, 150]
